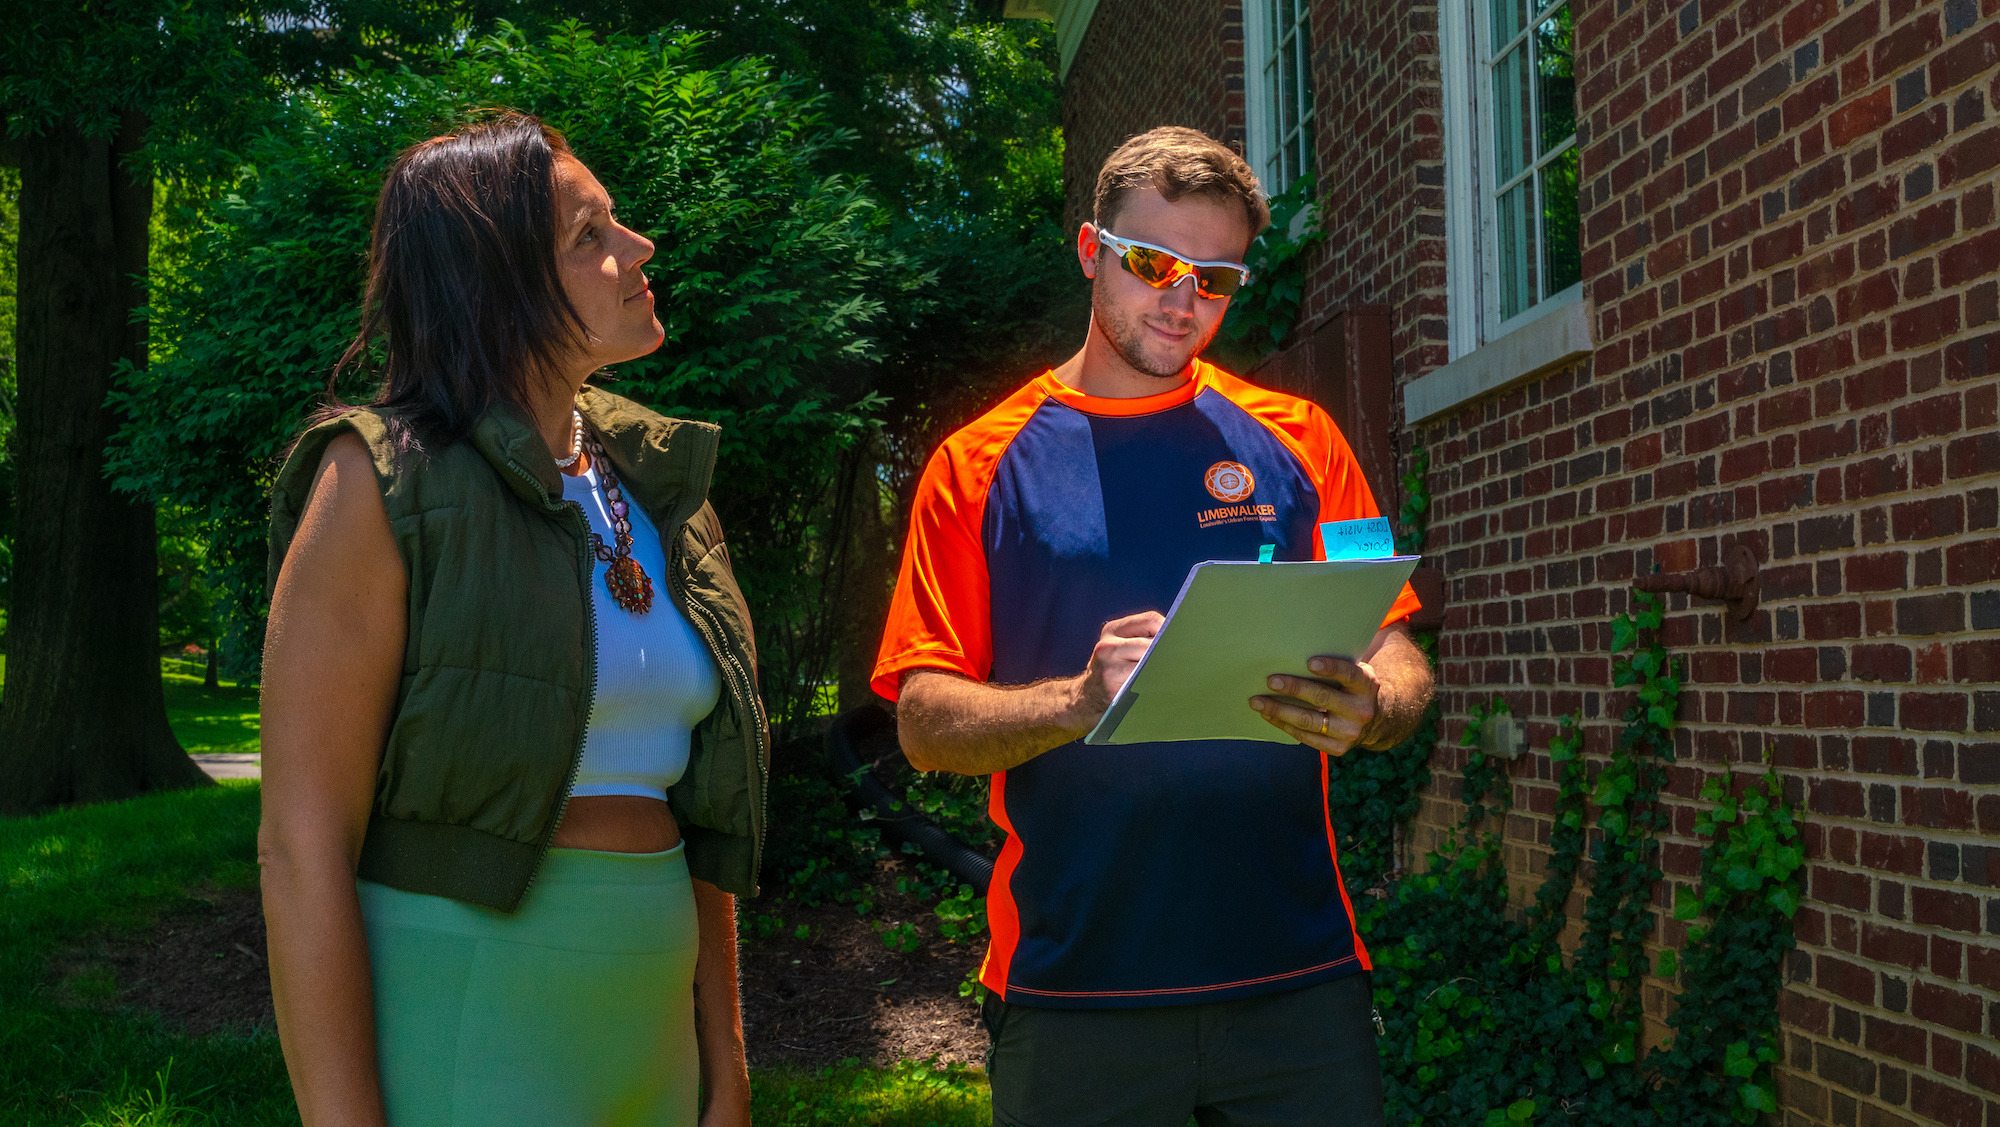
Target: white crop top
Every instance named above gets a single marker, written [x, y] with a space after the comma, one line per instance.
[655, 678]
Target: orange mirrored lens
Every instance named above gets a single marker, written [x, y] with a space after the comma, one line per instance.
[1218, 281]
[1155, 268]
[1159, 269]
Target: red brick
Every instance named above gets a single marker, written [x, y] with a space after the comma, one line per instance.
[1808, 103]
[1860, 117]
[1934, 712]
[1976, 562]
[1840, 887]
[1982, 968]
[1933, 907]
[1928, 418]
[1892, 853]
[1894, 1038]
[1965, 60]
[1871, 295]
[1913, 134]
[1977, 661]
[1837, 976]
[1974, 256]
[1804, 18]
[1906, 45]
[1819, 182]
[1940, 1005]
[1854, 31]
[1923, 325]
[1945, 1105]
[1884, 383]
[1886, 571]
[1969, 157]
[1937, 807]
[1893, 945]
[1837, 798]
[1830, 621]
[1973, 455]
[1982, 1067]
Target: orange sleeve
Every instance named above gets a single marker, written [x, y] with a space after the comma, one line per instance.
[1344, 495]
[940, 616]
[1336, 474]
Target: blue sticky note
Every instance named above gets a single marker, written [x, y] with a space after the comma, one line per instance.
[1368, 539]
[1265, 553]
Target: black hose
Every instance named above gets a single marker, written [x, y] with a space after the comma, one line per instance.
[898, 820]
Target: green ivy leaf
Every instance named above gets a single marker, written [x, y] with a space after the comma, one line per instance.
[1623, 634]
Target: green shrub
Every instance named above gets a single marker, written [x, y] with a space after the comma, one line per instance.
[771, 276]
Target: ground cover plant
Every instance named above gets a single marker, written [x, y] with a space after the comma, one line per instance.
[71, 1054]
[1489, 1016]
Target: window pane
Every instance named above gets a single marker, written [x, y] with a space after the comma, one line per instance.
[1557, 91]
[1507, 22]
[1516, 266]
[1563, 264]
[1512, 131]
[1288, 96]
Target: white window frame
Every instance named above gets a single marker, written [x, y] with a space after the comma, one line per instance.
[1486, 352]
[1261, 40]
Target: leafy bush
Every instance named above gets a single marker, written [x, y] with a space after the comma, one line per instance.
[1490, 1020]
[772, 279]
[1261, 315]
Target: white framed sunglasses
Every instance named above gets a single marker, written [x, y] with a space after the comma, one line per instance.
[1161, 268]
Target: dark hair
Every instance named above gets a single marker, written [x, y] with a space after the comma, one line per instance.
[463, 289]
[1179, 162]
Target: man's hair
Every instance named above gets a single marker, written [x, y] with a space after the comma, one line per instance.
[1179, 162]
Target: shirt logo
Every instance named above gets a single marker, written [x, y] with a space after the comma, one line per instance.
[1229, 481]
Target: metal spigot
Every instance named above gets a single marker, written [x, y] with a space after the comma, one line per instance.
[1735, 582]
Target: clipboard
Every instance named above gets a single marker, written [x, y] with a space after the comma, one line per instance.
[1234, 624]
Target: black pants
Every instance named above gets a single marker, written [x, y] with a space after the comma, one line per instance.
[1302, 1058]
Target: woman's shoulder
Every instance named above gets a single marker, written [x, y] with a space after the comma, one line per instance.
[617, 418]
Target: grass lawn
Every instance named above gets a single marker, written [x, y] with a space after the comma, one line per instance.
[73, 874]
[209, 720]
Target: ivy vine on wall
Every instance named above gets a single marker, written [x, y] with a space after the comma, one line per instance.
[1491, 1017]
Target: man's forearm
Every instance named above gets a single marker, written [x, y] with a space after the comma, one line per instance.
[1404, 677]
[951, 723]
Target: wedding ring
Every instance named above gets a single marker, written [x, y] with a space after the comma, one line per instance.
[1323, 718]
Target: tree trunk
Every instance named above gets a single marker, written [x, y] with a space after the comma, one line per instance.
[82, 716]
[864, 601]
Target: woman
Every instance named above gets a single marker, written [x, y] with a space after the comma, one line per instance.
[512, 745]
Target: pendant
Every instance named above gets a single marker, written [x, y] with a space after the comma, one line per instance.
[629, 585]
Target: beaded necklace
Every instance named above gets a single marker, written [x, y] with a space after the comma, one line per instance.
[628, 583]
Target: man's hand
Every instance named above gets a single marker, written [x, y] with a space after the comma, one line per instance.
[949, 722]
[1376, 701]
[1340, 708]
[1120, 645]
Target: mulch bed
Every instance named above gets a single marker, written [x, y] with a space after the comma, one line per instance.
[200, 967]
[840, 993]
[836, 994]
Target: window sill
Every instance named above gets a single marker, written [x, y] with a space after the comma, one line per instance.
[1554, 338]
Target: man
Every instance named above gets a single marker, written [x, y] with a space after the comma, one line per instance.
[1169, 931]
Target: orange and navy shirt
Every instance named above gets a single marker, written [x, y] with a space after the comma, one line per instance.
[1132, 874]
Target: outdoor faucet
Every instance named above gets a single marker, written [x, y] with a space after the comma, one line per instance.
[1734, 582]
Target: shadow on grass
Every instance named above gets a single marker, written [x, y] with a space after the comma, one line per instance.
[73, 875]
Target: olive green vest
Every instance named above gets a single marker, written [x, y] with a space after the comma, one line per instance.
[501, 660]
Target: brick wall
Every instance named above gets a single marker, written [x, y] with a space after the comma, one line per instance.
[1146, 63]
[1790, 254]
[1380, 165]
[1790, 258]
